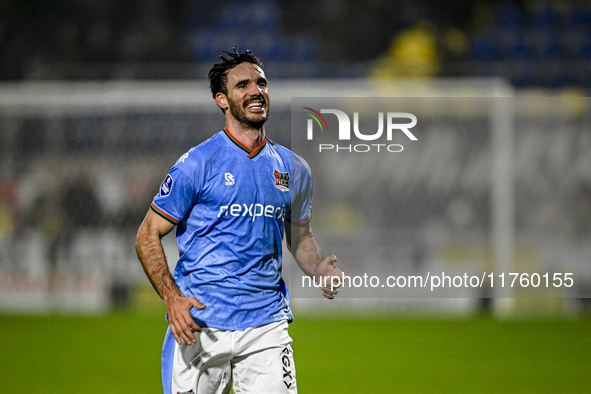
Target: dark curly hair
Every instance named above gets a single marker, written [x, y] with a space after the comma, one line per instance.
[218, 75]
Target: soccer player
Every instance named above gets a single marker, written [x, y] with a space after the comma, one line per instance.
[231, 198]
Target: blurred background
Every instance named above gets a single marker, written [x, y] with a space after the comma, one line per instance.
[99, 98]
[537, 43]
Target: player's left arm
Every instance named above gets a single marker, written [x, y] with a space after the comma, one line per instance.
[308, 254]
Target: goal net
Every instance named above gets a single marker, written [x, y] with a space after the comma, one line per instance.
[496, 185]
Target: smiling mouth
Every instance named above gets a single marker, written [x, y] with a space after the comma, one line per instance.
[255, 104]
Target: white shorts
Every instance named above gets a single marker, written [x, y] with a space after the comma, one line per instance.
[258, 360]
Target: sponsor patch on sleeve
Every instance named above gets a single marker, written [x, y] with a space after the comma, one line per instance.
[166, 186]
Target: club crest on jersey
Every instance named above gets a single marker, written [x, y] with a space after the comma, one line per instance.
[166, 186]
[281, 180]
[186, 392]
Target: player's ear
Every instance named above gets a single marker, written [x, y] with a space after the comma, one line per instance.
[222, 101]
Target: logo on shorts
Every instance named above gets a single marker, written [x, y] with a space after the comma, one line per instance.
[186, 392]
[166, 186]
[281, 180]
[288, 374]
[229, 179]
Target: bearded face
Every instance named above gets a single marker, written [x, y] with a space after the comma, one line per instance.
[247, 96]
[252, 112]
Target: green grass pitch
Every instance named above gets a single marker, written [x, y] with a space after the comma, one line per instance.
[120, 353]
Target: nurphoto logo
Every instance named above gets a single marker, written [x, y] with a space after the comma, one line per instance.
[344, 132]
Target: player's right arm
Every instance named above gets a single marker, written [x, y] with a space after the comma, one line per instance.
[149, 250]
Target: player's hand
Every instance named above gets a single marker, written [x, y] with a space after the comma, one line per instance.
[181, 322]
[329, 277]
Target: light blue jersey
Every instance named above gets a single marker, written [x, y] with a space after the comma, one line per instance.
[230, 204]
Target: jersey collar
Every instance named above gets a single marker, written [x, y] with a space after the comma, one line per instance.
[251, 153]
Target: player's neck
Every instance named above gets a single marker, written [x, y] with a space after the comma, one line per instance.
[252, 138]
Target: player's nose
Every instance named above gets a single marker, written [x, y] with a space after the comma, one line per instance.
[255, 90]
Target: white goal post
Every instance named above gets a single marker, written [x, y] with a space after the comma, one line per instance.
[55, 103]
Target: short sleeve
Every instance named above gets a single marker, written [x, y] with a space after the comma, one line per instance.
[301, 192]
[176, 196]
